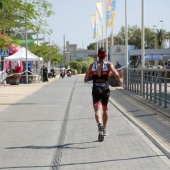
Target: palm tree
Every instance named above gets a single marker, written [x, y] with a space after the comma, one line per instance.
[160, 35]
[149, 38]
[168, 37]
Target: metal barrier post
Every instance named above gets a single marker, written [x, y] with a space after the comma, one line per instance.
[130, 81]
[160, 79]
[165, 89]
[137, 83]
[144, 82]
[151, 76]
[155, 87]
[147, 74]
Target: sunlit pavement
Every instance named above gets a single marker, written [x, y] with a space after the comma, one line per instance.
[51, 124]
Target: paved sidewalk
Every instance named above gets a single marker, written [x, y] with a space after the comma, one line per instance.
[55, 126]
[153, 120]
[10, 94]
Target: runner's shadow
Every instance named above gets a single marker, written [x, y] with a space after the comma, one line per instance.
[64, 146]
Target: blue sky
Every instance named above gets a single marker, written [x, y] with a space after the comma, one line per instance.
[72, 18]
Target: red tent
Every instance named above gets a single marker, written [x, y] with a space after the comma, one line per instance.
[13, 49]
[7, 42]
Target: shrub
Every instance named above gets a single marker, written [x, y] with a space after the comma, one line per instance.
[85, 67]
[75, 65]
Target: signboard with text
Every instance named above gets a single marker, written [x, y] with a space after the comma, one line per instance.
[3, 54]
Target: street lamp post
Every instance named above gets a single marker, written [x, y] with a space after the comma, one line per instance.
[162, 32]
[162, 24]
[26, 63]
[154, 29]
[64, 49]
[126, 44]
[142, 48]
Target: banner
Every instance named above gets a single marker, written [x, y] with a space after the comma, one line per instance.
[97, 24]
[113, 11]
[93, 24]
[108, 12]
[99, 7]
[94, 31]
[97, 17]
[103, 28]
[93, 20]
[110, 7]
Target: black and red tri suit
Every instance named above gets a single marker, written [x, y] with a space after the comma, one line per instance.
[100, 91]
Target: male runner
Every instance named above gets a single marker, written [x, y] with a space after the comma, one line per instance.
[99, 72]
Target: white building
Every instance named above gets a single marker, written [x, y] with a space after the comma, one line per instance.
[72, 53]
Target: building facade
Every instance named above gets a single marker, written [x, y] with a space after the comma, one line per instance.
[72, 53]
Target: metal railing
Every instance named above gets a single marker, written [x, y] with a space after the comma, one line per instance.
[152, 84]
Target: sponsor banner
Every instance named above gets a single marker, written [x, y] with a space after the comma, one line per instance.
[113, 11]
[94, 32]
[108, 12]
[99, 7]
[93, 20]
[111, 6]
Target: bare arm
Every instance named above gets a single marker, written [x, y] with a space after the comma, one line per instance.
[87, 76]
[115, 73]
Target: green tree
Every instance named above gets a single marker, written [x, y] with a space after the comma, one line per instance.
[168, 37]
[149, 38]
[120, 37]
[6, 41]
[91, 46]
[48, 53]
[14, 14]
[134, 37]
[161, 36]
[0, 5]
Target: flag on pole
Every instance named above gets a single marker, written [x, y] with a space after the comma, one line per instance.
[103, 28]
[110, 7]
[97, 24]
[99, 7]
[113, 11]
[108, 12]
[97, 18]
[93, 20]
[93, 24]
[94, 32]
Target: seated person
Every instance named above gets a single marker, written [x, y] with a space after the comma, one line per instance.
[17, 69]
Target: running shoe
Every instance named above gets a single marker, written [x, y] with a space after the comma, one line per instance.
[105, 133]
[101, 129]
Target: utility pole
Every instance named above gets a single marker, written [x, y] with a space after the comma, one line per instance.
[64, 49]
[126, 45]
[26, 62]
[142, 48]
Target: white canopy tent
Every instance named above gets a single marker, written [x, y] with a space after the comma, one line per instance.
[21, 56]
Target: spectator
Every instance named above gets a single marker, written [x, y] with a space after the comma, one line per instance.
[165, 65]
[17, 69]
[118, 65]
[118, 68]
[45, 73]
